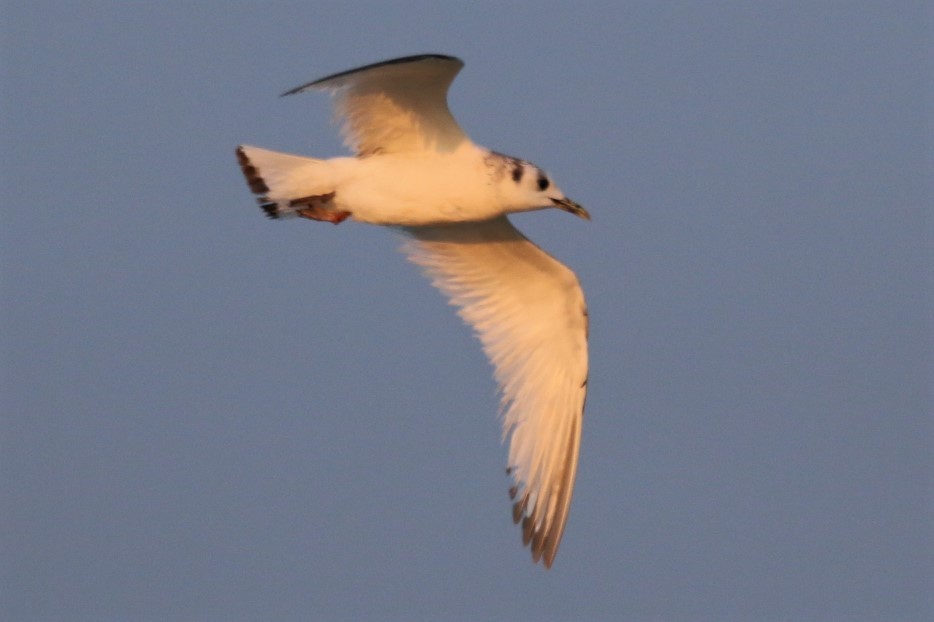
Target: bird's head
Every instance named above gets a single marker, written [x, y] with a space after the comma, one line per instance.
[534, 189]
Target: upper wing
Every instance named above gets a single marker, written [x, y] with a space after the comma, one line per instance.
[396, 105]
[529, 312]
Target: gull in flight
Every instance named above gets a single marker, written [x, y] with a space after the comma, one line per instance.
[417, 171]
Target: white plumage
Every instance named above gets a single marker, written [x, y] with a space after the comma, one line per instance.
[416, 170]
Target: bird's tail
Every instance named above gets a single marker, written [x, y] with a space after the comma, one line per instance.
[289, 185]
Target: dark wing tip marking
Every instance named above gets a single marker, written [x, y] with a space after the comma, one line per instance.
[271, 208]
[527, 530]
[540, 540]
[518, 509]
[393, 61]
[253, 179]
[541, 536]
[257, 185]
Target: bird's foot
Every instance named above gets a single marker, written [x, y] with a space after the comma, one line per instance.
[323, 215]
[318, 207]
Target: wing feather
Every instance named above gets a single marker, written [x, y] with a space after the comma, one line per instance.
[529, 312]
[395, 106]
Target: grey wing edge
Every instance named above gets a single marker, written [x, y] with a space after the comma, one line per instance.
[394, 61]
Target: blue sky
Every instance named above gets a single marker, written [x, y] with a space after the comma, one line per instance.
[210, 416]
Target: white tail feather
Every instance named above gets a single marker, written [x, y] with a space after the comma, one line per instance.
[285, 183]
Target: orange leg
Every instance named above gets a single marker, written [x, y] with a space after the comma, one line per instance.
[324, 215]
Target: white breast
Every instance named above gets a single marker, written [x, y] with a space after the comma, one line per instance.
[419, 189]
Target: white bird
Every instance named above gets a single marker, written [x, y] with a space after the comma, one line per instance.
[416, 170]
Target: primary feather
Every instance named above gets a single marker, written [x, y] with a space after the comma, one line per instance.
[395, 106]
[528, 311]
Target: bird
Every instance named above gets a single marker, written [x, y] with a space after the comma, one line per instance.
[414, 170]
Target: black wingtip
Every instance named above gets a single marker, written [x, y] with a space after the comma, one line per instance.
[393, 61]
[253, 179]
[270, 207]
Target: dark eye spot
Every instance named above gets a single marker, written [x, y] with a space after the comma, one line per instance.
[543, 183]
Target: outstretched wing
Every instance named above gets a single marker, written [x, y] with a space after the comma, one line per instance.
[528, 311]
[395, 106]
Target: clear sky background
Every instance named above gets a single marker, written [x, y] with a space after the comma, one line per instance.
[211, 416]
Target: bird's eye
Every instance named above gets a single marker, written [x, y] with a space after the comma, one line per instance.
[543, 183]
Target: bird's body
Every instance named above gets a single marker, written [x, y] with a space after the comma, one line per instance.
[397, 188]
[417, 171]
